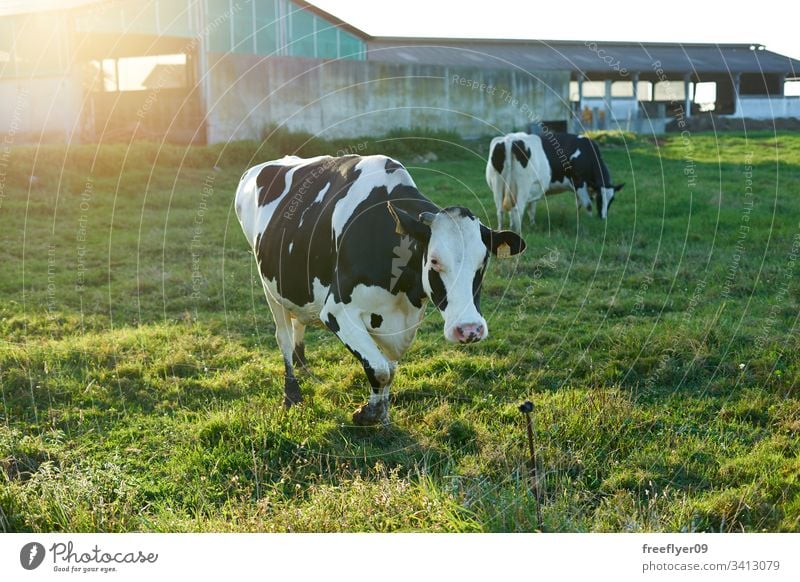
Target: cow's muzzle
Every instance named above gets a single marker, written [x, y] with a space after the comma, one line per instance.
[469, 333]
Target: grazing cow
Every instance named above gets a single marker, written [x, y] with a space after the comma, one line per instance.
[518, 175]
[576, 164]
[350, 242]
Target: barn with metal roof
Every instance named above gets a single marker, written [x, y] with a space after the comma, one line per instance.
[214, 70]
[625, 81]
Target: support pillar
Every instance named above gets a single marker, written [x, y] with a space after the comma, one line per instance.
[687, 97]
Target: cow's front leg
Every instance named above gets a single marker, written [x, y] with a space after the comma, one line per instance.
[285, 337]
[583, 199]
[346, 322]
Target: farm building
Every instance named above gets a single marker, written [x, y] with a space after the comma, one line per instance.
[205, 71]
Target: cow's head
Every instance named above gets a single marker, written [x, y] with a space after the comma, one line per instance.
[604, 196]
[456, 249]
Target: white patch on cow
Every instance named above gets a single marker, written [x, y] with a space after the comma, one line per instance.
[400, 318]
[576, 155]
[456, 244]
[322, 193]
[607, 195]
[373, 175]
[291, 245]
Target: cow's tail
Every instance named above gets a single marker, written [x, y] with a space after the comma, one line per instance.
[509, 198]
[509, 184]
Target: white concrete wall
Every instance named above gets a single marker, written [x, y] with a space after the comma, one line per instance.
[348, 98]
[43, 106]
[767, 107]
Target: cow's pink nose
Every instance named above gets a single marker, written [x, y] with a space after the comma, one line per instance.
[470, 332]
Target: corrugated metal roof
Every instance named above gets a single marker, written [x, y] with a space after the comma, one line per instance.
[592, 59]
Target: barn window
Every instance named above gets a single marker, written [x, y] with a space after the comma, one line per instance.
[266, 28]
[137, 73]
[705, 95]
[350, 47]
[327, 40]
[622, 89]
[301, 31]
[242, 18]
[668, 91]
[645, 90]
[218, 25]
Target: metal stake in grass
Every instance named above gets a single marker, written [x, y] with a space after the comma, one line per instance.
[526, 408]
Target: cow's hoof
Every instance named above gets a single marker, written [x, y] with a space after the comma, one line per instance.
[371, 414]
[291, 393]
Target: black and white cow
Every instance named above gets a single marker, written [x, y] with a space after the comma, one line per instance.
[350, 242]
[518, 175]
[576, 164]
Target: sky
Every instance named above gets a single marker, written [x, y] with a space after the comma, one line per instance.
[773, 23]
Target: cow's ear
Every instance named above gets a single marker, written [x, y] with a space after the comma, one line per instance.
[406, 223]
[502, 243]
[618, 187]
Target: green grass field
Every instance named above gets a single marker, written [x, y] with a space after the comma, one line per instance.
[142, 388]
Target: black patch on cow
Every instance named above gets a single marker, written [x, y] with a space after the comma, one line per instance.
[375, 320]
[587, 169]
[600, 176]
[459, 211]
[438, 291]
[368, 242]
[332, 324]
[477, 281]
[392, 166]
[270, 182]
[559, 148]
[370, 372]
[521, 152]
[494, 239]
[499, 157]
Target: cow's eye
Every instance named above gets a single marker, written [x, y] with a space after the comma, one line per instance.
[436, 265]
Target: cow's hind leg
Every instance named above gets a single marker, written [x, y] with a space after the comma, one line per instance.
[515, 217]
[299, 352]
[346, 322]
[285, 336]
[532, 211]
